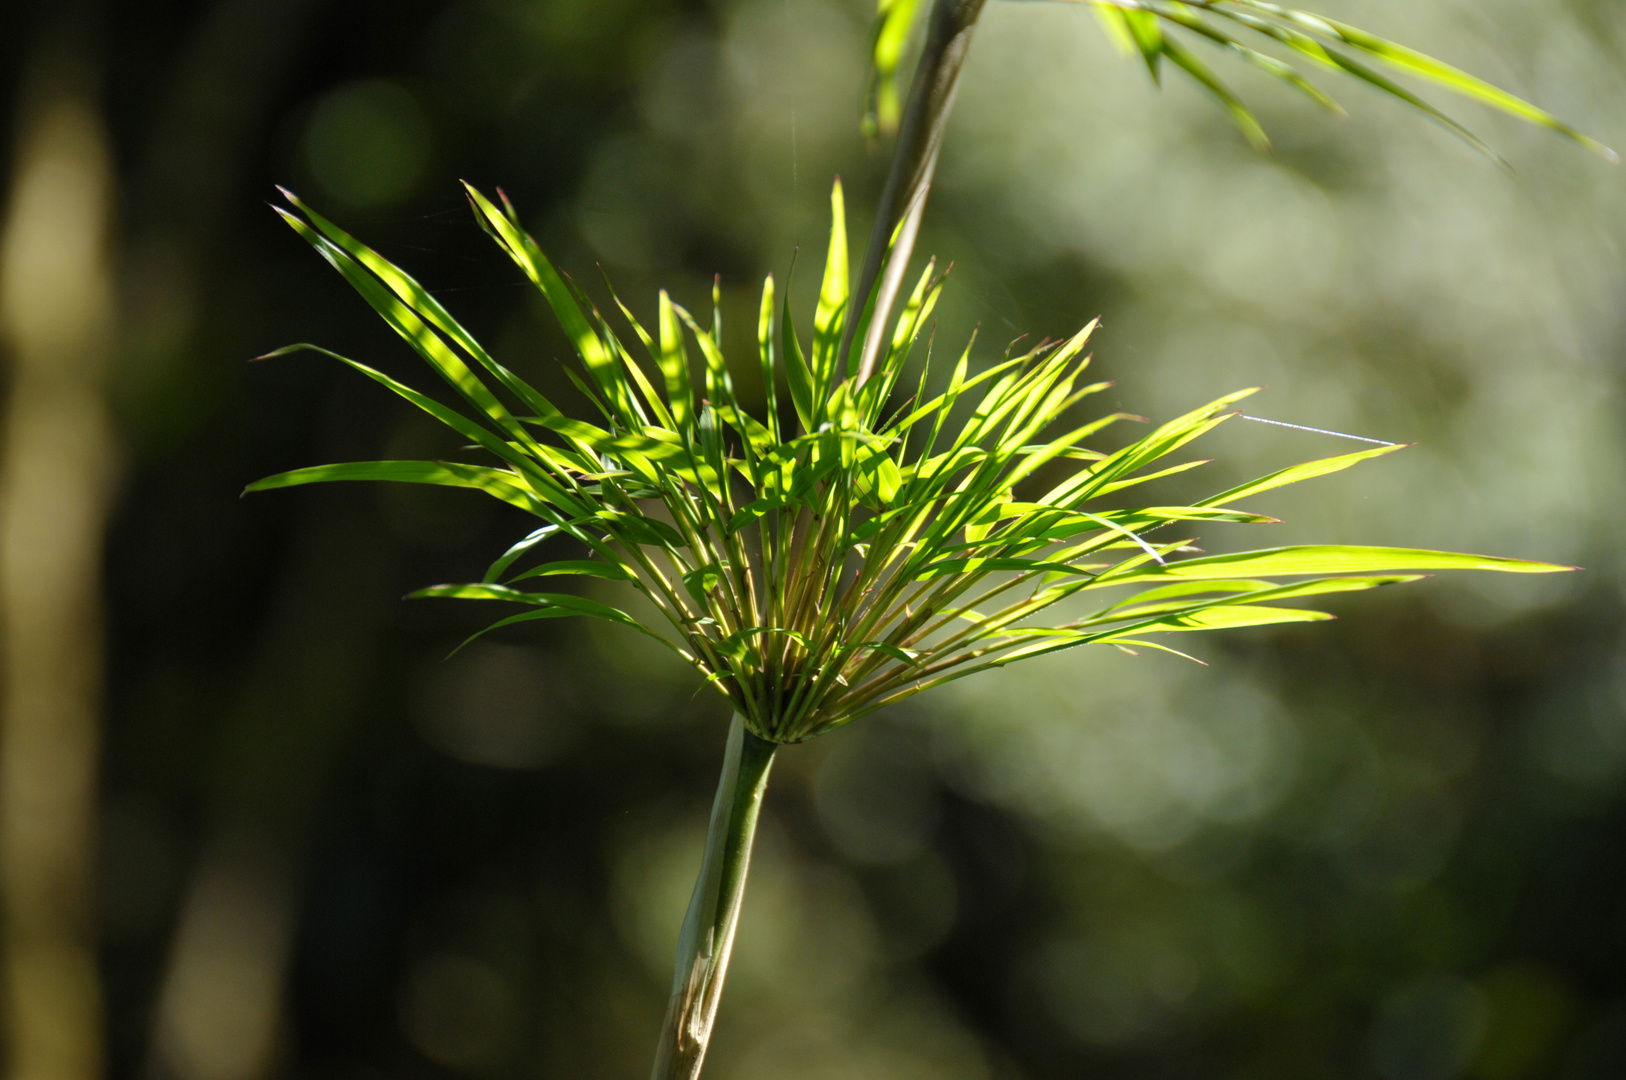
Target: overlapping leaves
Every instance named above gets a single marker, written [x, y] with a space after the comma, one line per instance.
[821, 561]
[1157, 30]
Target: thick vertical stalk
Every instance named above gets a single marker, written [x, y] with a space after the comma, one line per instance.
[714, 909]
[914, 160]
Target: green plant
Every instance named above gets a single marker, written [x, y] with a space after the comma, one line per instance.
[1152, 30]
[860, 542]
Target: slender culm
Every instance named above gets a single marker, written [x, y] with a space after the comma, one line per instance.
[714, 909]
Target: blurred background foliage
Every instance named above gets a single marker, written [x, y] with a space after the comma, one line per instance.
[1384, 847]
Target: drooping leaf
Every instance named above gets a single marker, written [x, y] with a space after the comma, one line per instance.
[1147, 36]
[1435, 71]
[1245, 120]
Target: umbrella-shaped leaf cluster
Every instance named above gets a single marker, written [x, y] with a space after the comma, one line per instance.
[865, 542]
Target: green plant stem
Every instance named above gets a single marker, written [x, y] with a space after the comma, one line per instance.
[914, 160]
[714, 909]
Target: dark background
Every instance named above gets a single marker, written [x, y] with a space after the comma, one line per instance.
[1388, 846]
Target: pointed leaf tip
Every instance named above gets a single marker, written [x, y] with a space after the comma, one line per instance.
[274, 353]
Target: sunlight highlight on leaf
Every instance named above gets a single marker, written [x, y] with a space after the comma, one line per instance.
[872, 551]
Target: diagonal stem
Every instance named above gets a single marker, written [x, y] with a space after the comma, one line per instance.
[914, 160]
[714, 909]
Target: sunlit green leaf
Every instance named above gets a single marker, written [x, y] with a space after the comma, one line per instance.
[1329, 559]
[831, 314]
[506, 487]
[1205, 76]
[583, 567]
[817, 573]
[1294, 473]
[1427, 67]
[1230, 618]
[888, 36]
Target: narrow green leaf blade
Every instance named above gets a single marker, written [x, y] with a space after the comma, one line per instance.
[1437, 72]
[1327, 559]
[770, 387]
[1295, 473]
[796, 369]
[1147, 36]
[674, 364]
[595, 354]
[1244, 119]
[888, 35]
[580, 567]
[831, 314]
[1230, 618]
[493, 482]
[421, 301]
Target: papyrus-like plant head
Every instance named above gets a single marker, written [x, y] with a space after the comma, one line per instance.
[821, 561]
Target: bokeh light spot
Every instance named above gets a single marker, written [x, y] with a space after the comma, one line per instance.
[367, 143]
[458, 1012]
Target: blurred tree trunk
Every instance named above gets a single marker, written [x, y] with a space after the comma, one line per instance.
[219, 1011]
[57, 324]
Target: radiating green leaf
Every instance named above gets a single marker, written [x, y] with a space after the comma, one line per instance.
[1188, 598]
[674, 364]
[1435, 71]
[583, 567]
[1271, 66]
[1205, 76]
[1328, 559]
[425, 305]
[1338, 61]
[770, 387]
[529, 258]
[902, 656]
[701, 581]
[583, 607]
[1116, 26]
[1147, 36]
[888, 35]
[1230, 618]
[493, 482]
[1129, 645]
[830, 316]
[796, 369]
[1294, 473]
[518, 550]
